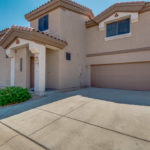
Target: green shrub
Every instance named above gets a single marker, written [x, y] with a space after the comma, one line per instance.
[13, 95]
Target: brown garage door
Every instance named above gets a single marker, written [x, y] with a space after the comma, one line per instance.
[134, 76]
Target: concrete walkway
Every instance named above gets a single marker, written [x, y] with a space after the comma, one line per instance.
[87, 119]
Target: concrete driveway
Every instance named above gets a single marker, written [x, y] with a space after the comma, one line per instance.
[86, 119]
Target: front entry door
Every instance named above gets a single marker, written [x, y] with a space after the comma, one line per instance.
[31, 72]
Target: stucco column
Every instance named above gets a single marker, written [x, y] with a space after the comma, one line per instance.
[12, 79]
[39, 52]
[11, 55]
[36, 73]
[40, 70]
[88, 75]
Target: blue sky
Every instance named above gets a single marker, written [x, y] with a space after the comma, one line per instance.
[12, 11]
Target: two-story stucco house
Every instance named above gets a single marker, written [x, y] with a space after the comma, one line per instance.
[66, 46]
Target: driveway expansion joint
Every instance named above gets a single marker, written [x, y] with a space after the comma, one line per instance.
[8, 140]
[19, 133]
[50, 112]
[121, 133]
[66, 113]
[76, 108]
[122, 127]
[44, 126]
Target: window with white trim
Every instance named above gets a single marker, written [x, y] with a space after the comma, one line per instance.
[118, 28]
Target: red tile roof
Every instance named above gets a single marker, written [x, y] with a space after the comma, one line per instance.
[31, 34]
[29, 29]
[53, 4]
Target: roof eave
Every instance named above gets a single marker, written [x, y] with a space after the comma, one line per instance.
[32, 36]
[50, 6]
[119, 7]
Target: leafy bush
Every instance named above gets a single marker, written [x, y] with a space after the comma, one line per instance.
[13, 95]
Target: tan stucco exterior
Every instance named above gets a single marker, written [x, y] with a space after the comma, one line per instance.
[86, 41]
[69, 26]
[139, 37]
[4, 69]
[73, 73]
[22, 78]
[52, 69]
[54, 22]
[54, 4]
[101, 48]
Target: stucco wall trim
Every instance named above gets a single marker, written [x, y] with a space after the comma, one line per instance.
[134, 7]
[32, 35]
[118, 37]
[134, 17]
[20, 47]
[120, 52]
[136, 62]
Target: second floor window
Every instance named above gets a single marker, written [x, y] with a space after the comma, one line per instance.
[43, 23]
[118, 28]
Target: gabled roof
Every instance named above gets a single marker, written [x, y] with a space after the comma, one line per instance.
[2, 32]
[53, 4]
[30, 34]
[139, 6]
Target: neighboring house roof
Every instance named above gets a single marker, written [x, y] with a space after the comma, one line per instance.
[29, 34]
[119, 7]
[53, 4]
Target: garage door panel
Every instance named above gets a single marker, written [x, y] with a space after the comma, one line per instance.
[134, 76]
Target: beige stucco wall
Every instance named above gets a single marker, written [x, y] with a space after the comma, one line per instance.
[68, 26]
[22, 78]
[52, 69]
[120, 58]
[140, 33]
[52, 58]
[73, 73]
[117, 58]
[140, 37]
[54, 22]
[4, 69]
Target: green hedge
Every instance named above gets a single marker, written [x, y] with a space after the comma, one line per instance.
[13, 95]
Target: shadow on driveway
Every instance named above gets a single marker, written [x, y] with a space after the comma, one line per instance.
[112, 95]
[131, 97]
